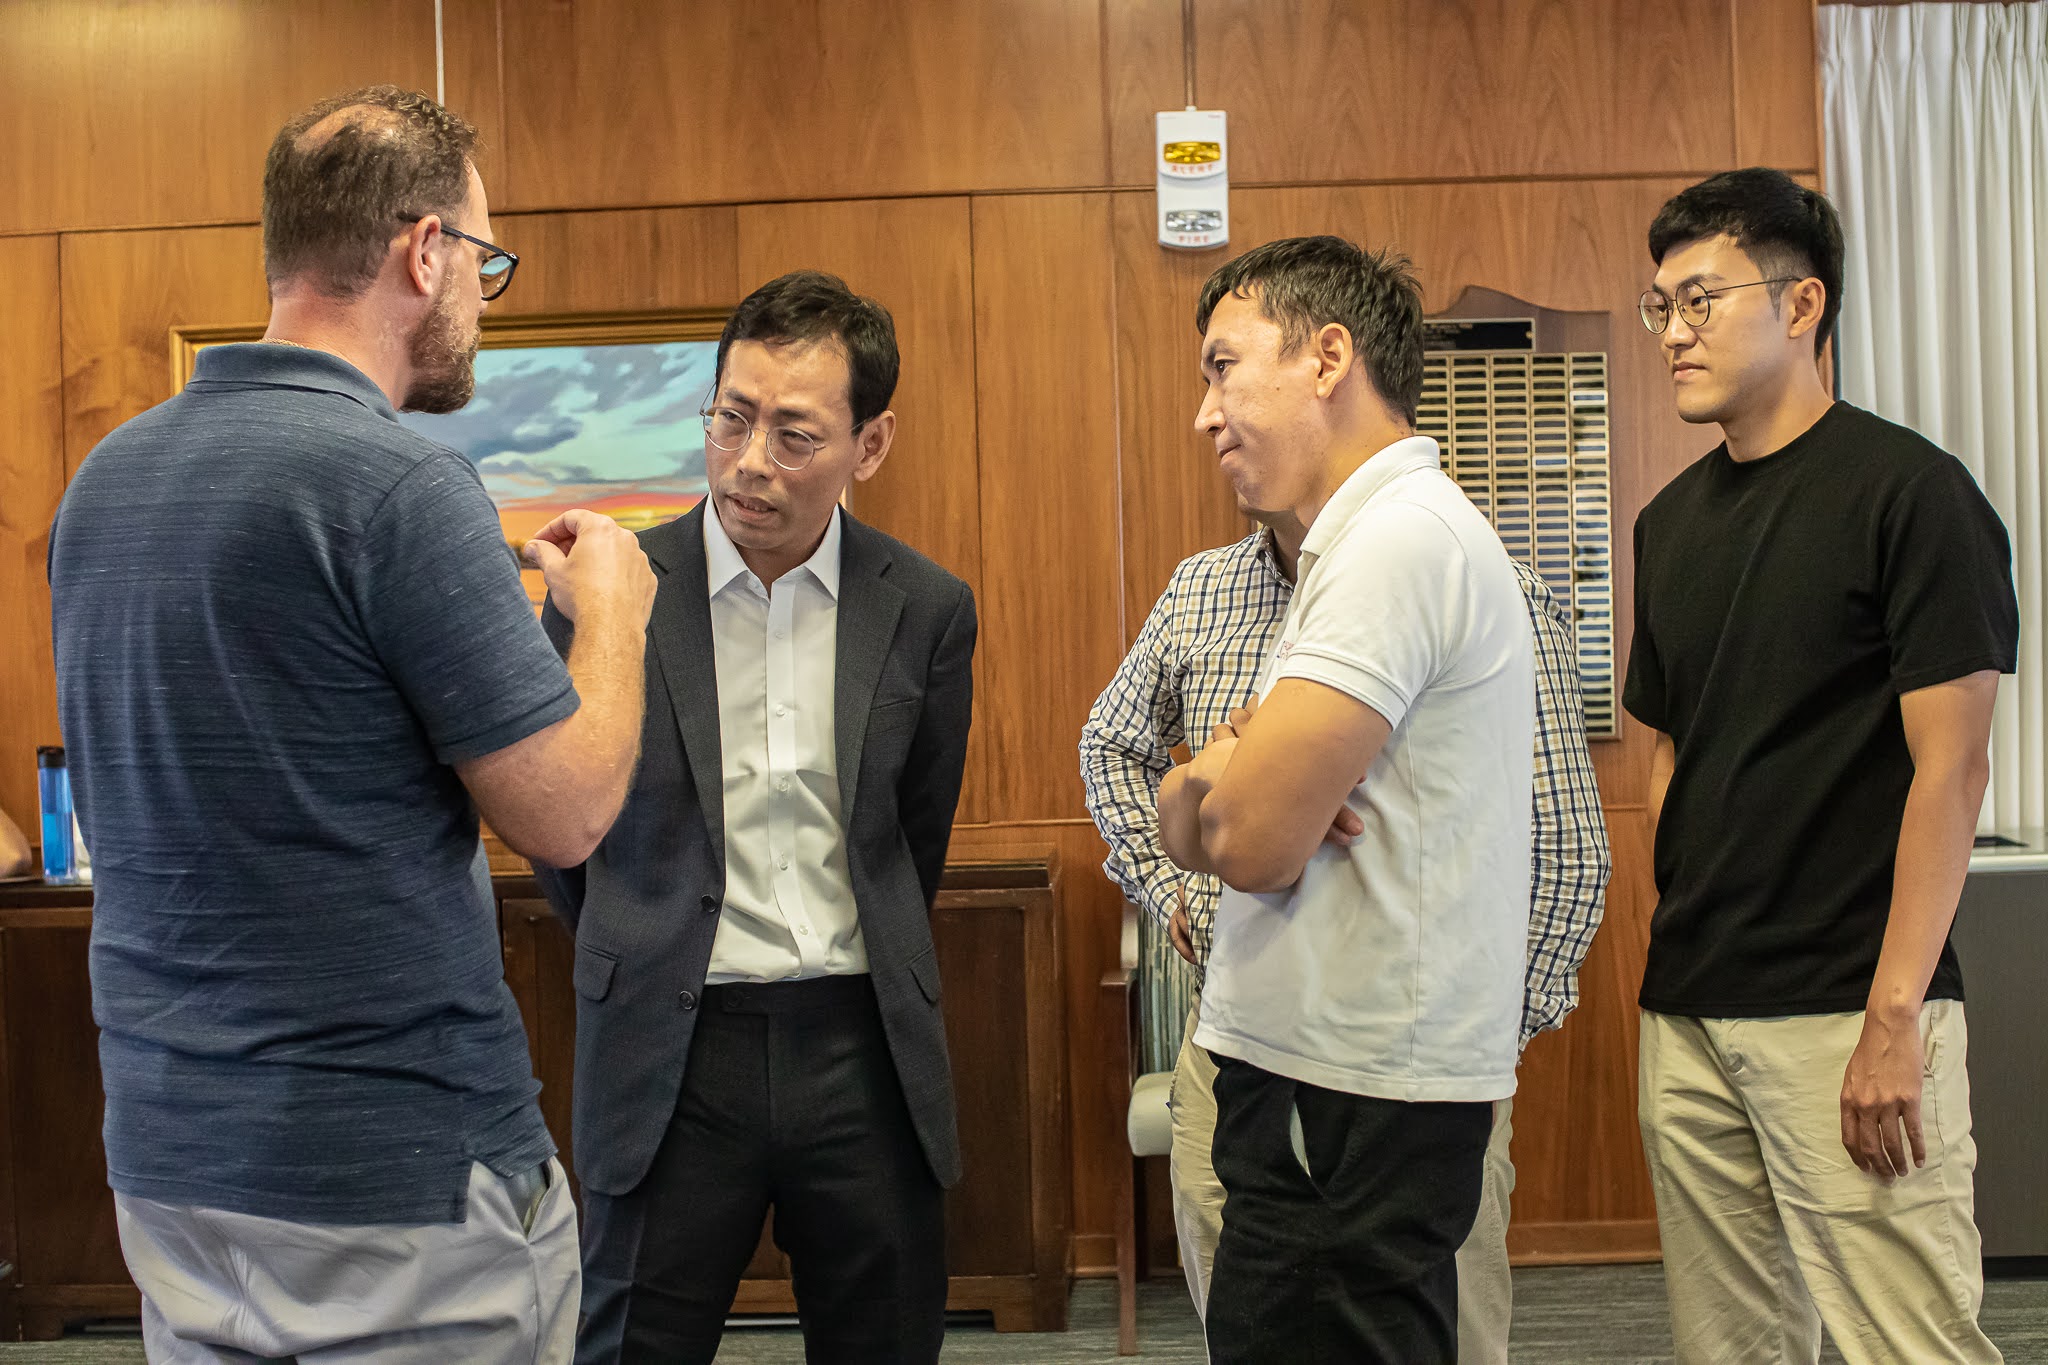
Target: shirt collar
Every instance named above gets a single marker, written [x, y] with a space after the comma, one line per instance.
[1381, 468]
[291, 367]
[723, 564]
[1260, 544]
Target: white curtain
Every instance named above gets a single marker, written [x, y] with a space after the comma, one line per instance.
[1937, 157]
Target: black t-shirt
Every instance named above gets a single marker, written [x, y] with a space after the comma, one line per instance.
[1782, 607]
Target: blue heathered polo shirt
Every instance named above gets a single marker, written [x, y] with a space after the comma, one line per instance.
[280, 617]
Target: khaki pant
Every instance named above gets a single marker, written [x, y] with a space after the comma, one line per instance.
[499, 1288]
[1770, 1230]
[1485, 1288]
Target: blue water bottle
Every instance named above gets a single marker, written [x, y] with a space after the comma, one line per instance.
[53, 782]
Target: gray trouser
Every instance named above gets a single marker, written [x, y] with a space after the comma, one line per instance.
[500, 1287]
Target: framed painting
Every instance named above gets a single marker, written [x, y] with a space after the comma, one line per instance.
[572, 410]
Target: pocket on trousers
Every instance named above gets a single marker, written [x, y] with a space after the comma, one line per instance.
[1298, 1140]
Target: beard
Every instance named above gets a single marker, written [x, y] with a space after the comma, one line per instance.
[442, 350]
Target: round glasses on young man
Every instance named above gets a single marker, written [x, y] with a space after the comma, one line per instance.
[730, 430]
[1694, 304]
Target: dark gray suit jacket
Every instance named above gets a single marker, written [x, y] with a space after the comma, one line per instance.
[646, 906]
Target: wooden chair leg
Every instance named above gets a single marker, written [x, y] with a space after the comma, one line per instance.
[1127, 1263]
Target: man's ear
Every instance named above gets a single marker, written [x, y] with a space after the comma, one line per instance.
[1805, 302]
[1334, 356]
[422, 245]
[875, 439]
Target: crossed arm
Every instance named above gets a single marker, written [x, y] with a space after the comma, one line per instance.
[1268, 787]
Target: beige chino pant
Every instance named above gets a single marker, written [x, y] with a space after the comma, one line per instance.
[1485, 1285]
[1770, 1230]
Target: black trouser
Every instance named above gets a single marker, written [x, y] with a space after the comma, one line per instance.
[1352, 1260]
[790, 1101]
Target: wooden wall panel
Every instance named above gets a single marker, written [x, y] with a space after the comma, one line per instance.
[621, 261]
[1044, 312]
[473, 41]
[1174, 502]
[1577, 1155]
[123, 292]
[1442, 89]
[1777, 56]
[616, 102]
[1146, 60]
[126, 112]
[917, 257]
[31, 482]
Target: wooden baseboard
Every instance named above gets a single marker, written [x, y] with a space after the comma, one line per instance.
[1603, 1243]
[1615, 1242]
[47, 1309]
[1014, 1301]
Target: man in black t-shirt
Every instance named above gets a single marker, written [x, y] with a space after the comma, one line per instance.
[1823, 606]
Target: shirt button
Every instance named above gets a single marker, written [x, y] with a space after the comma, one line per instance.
[804, 929]
[687, 999]
[782, 784]
[708, 904]
[778, 635]
[783, 862]
[781, 710]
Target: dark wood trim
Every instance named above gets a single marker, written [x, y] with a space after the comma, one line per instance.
[10, 1298]
[1605, 1243]
[47, 1309]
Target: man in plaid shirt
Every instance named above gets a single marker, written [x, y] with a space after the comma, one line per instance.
[1198, 656]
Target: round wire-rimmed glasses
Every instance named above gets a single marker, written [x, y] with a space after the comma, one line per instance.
[730, 429]
[1694, 304]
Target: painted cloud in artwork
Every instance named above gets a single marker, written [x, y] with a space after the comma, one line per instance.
[611, 428]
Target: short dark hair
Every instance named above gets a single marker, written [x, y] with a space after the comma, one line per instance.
[332, 196]
[811, 306]
[1306, 283]
[1786, 228]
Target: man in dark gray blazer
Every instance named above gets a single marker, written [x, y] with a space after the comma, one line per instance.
[758, 1019]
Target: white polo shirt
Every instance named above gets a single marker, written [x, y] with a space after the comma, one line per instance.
[1393, 968]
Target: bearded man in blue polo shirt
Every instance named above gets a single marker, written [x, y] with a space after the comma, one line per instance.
[294, 662]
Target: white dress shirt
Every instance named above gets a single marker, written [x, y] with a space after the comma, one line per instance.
[789, 909]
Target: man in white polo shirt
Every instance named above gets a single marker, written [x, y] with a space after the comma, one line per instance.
[1364, 989]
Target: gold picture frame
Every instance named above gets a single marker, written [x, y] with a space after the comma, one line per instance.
[619, 434]
[650, 327]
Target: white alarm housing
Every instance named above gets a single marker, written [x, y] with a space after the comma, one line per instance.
[1194, 179]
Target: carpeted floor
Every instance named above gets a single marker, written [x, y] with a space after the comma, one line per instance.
[1575, 1315]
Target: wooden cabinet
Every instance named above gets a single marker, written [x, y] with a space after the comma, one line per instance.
[999, 955]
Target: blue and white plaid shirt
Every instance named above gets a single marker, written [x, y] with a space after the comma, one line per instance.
[1200, 654]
